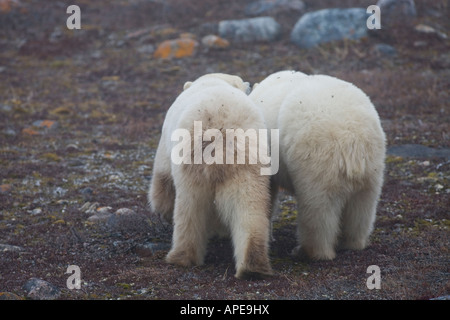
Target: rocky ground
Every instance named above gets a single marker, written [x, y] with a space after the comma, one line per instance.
[80, 118]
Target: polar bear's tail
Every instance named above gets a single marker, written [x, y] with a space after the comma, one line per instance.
[353, 158]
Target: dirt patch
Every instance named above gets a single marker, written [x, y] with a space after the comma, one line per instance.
[108, 96]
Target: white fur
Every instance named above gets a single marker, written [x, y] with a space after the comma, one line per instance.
[332, 151]
[205, 199]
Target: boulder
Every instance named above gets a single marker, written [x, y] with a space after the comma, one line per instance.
[250, 30]
[396, 12]
[328, 25]
[260, 7]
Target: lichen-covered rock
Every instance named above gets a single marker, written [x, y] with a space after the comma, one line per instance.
[327, 25]
[250, 30]
[176, 48]
[38, 289]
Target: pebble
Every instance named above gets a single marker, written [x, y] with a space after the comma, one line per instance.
[72, 147]
[46, 124]
[37, 289]
[9, 248]
[89, 208]
[423, 28]
[9, 132]
[250, 30]
[328, 25]
[149, 249]
[447, 297]
[385, 49]
[5, 188]
[87, 193]
[36, 211]
[212, 41]
[59, 192]
[127, 220]
[40, 126]
[146, 49]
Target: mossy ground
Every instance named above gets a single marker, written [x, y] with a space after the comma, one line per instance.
[109, 100]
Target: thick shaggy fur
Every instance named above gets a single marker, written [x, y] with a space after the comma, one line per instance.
[205, 199]
[332, 152]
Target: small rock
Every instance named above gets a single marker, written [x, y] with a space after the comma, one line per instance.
[101, 213]
[250, 30]
[97, 54]
[36, 211]
[72, 148]
[442, 298]
[423, 28]
[146, 49]
[212, 41]
[149, 249]
[8, 5]
[87, 192]
[45, 124]
[126, 219]
[5, 108]
[177, 48]
[38, 289]
[5, 188]
[59, 192]
[30, 132]
[99, 217]
[89, 208]
[328, 25]
[9, 132]
[385, 49]
[9, 248]
[9, 296]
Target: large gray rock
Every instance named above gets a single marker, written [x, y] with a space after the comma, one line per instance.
[250, 30]
[329, 25]
[395, 12]
[267, 7]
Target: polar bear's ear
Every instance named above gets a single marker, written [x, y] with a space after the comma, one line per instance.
[187, 85]
[255, 85]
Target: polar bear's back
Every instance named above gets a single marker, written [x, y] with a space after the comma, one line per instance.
[219, 107]
[334, 124]
[271, 91]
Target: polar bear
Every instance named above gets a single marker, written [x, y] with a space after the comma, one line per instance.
[332, 152]
[207, 198]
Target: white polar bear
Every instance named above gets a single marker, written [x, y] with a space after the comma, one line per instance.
[332, 152]
[207, 198]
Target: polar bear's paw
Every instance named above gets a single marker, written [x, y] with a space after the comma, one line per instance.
[257, 273]
[185, 258]
[310, 254]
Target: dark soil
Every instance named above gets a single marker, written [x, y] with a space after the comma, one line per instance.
[108, 99]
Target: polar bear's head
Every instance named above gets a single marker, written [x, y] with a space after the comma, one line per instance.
[233, 80]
